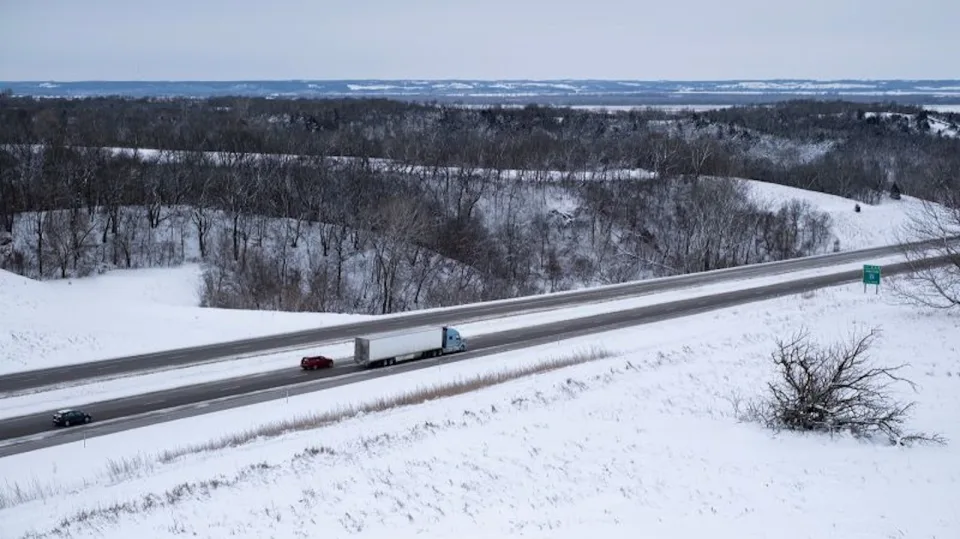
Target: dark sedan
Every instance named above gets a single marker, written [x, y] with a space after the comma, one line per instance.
[66, 418]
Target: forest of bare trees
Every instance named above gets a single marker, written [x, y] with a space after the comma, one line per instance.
[375, 206]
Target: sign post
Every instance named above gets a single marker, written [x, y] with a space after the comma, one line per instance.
[871, 275]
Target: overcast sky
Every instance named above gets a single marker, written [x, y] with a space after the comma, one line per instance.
[472, 39]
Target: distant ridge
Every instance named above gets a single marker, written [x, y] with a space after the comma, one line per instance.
[561, 92]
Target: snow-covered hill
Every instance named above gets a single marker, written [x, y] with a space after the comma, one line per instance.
[933, 124]
[123, 312]
[644, 440]
[874, 225]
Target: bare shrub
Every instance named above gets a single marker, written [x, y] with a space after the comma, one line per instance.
[16, 494]
[834, 389]
[172, 497]
[119, 469]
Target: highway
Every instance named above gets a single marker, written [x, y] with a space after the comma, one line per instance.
[132, 412]
[184, 357]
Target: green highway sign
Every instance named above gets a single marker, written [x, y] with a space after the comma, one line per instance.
[871, 275]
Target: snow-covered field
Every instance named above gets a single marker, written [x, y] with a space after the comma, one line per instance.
[140, 311]
[644, 441]
[71, 395]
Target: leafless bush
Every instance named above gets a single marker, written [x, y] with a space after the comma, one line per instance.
[119, 469]
[834, 389]
[13, 494]
[148, 502]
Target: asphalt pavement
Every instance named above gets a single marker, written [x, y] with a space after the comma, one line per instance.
[37, 431]
[184, 357]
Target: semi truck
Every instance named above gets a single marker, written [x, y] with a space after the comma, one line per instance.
[389, 348]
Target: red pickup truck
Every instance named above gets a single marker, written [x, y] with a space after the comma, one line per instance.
[310, 363]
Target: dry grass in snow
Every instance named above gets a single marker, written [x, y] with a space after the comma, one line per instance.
[410, 398]
[129, 467]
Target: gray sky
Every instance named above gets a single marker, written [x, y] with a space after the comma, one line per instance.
[478, 39]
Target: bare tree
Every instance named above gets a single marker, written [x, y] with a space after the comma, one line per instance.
[237, 196]
[202, 212]
[10, 192]
[54, 239]
[834, 389]
[398, 228]
[939, 220]
[40, 226]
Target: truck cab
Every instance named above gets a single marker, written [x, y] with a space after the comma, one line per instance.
[453, 341]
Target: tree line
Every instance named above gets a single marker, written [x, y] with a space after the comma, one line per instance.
[337, 218]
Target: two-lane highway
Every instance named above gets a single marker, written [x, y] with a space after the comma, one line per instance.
[128, 412]
[184, 357]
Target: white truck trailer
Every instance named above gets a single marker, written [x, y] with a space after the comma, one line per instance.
[389, 348]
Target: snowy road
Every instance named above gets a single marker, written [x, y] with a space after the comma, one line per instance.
[32, 432]
[452, 315]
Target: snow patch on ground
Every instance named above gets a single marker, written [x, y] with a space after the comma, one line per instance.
[645, 440]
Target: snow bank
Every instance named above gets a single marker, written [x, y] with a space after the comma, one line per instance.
[646, 440]
[19, 295]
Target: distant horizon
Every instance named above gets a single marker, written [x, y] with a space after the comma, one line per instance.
[427, 79]
[513, 91]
